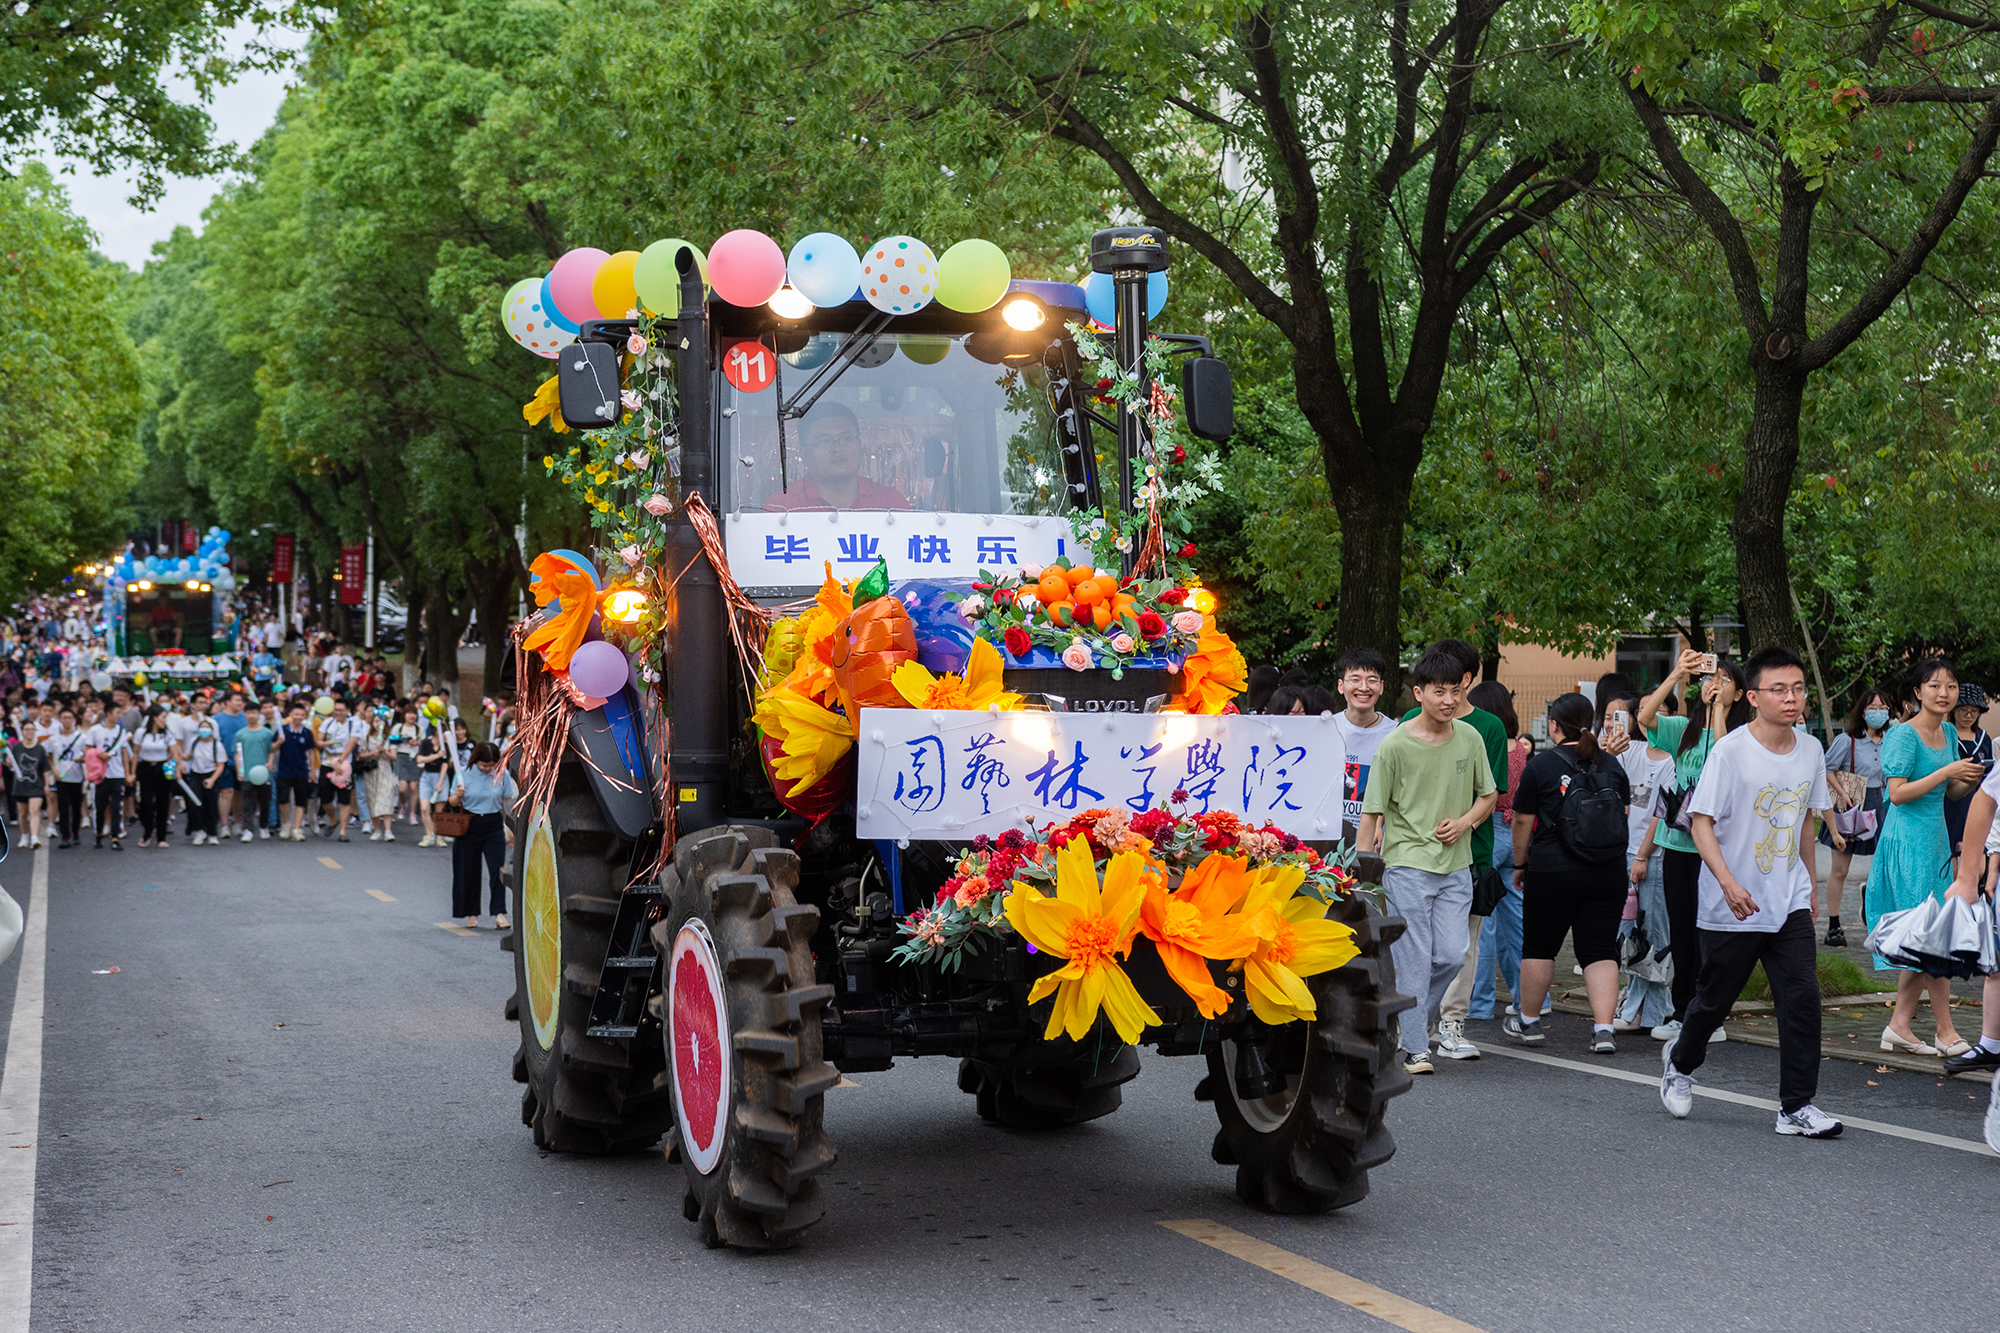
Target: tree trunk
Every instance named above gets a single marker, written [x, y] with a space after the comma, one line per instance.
[1371, 563]
[1763, 567]
[496, 614]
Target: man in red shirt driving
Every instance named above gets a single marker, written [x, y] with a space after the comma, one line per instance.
[831, 439]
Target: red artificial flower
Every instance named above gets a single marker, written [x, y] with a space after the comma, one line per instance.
[1018, 642]
[1173, 596]
[1153, 825]
[1150, 624]
[1003, 597]
[1187, 550]
[1180, 453]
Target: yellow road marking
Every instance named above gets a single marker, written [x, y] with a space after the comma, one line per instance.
[329, 863]
[454, 928]
[378, 894]
[1349, 1291]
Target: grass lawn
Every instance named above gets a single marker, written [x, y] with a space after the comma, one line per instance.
[1838, 975]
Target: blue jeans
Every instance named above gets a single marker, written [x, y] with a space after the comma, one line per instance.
[1649, 1003]
[1500, 937]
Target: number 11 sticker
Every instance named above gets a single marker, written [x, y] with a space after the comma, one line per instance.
[748, 365]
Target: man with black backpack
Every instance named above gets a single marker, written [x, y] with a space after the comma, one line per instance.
[1569, 863]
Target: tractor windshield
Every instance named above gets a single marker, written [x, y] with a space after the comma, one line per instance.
[921, 452]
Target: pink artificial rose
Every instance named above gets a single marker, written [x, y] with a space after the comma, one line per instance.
[1030, 573]
[639, 458]
[656, 504]
[1077, 657]
[632, 556]
[630, 399]
[635, 344]
[1122, 643]
[1188, 622]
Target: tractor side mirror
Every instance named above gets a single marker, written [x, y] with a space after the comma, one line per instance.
[587, 385]
[1211, 404]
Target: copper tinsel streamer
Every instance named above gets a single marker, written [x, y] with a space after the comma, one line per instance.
[542, 711]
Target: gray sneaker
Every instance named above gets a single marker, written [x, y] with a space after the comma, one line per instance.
[1451, 1042]
[1676, 1088]
[1529, 1034]
[1809, 1122]
[1993, 1117]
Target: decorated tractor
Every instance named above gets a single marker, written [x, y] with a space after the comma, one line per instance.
[887, 720]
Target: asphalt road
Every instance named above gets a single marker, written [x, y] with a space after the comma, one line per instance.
[290, 1108]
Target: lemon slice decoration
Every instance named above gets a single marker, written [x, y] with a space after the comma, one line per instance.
[541, 928]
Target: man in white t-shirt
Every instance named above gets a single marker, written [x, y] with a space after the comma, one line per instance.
[1983, 830]
[338, 667]
[114, 743]
[1754, 809]
[1359, 676]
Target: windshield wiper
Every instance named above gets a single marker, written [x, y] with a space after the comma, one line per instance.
[851, 348]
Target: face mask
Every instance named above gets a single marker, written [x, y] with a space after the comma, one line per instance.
[1877, 718]
[510, 729]
[204, 733]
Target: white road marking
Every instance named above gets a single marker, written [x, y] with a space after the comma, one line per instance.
[21, 1110]
[1739, 1099]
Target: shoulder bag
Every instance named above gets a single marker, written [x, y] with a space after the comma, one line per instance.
[1848, 789]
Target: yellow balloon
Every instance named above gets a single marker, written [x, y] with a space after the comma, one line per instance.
[611, 290]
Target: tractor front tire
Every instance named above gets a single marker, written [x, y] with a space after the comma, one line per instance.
[584, 1094]
[742, 1037]
[1082, 1087]
[1309, 1148]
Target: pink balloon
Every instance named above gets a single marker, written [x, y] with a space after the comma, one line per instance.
[746, 267]
[597, 668]
[569, 284]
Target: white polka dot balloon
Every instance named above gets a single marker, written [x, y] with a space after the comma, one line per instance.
[521, 312]
[898, 275]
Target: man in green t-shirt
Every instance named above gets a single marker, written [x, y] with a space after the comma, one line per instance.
[1492, 731]
[1430, 787]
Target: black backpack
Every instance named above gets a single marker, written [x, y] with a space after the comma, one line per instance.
[1591, 820]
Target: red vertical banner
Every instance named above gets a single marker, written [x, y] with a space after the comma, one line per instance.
[353, 573]
[281, 558]
[188, 539]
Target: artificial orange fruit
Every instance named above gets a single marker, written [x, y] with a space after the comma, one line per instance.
[1052, 587]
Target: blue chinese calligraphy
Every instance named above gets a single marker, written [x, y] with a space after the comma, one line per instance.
[985, 771]
[1270, 777]
[917, 789]
[998, 551]
[787, 549]
[1204, 769]
[929, 550]
[1069, 775]
[858, 548]
[1142, 800]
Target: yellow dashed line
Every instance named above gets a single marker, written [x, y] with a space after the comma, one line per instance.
[378, 895]
[1329, 1282]
[329, 863]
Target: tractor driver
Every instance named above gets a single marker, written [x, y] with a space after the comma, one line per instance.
[831, 440]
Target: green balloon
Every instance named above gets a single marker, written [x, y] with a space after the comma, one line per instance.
[658, 282]
[926, 349]
[972, 276]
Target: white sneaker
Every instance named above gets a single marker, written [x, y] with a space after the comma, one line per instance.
[424, 841]
[1623, 1025]
[1676, 1088]
[1668, 1030]
[36, 843]
[1720, 1034]
[1809, 1122]
[264, 833]
[198, 840]
[1451, 1042]
[246, 836]
[375, 835]
[1993, 1118]
[388, 835]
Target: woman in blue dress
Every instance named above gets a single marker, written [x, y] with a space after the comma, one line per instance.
[1920, 766]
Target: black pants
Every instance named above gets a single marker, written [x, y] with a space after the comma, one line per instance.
[1680, 878]
[1791, 961]
[156, 802]
[69, 810]
[488, 838]
[110, 808]
[206, 817]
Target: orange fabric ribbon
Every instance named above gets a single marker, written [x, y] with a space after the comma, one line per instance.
[559, 636]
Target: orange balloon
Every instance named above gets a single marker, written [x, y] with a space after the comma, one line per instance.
[1079, 574]
[1052, 588]
[866, 648]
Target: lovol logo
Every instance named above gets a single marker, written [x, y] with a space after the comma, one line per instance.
[1106, 706]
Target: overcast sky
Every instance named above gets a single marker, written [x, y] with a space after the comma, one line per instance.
[241, 112]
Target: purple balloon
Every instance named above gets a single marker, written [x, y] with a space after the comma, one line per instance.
[599, 669]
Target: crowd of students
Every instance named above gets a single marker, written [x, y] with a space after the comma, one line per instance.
[1668, 838]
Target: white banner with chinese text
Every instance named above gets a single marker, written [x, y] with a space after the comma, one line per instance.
[768, 550]
[926, 773]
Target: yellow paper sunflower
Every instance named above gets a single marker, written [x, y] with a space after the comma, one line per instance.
[978, 688]
[1294, 941]
[813, 738]
[1194, 923]
[1087, 927]
[544, 404]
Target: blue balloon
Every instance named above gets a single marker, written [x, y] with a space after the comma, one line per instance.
[1100, 297]
[944, 637]
[555, 316]
[824, 269]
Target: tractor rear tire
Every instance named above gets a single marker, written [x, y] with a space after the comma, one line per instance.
[584, 1094]
[742, 1038]
[1049, 1096]
[1309, 1149]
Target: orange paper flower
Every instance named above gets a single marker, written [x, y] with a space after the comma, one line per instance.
[1193, 923]
[558, 637]
[1212, 675]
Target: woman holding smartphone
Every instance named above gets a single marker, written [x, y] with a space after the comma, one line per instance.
[1688, 739]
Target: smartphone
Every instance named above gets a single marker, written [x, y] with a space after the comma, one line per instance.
[1621, 720]
[1708, 664]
